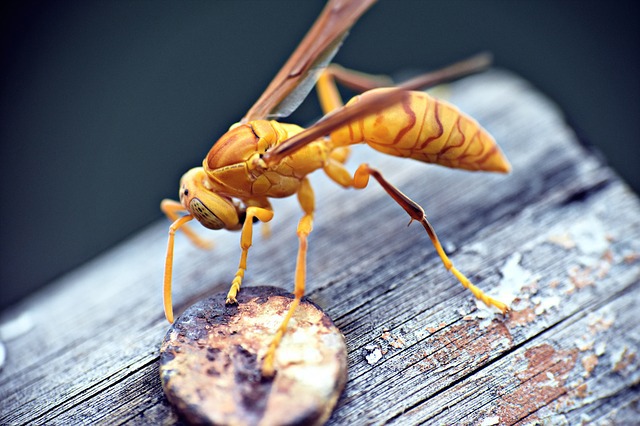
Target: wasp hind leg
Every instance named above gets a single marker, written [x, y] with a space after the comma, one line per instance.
[416, 212]
[305, 226]
[361, 82]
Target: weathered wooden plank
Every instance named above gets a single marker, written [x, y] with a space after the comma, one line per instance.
[570, 373]
[430, 350]
[561, 233]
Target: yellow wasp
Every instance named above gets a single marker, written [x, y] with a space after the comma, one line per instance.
[259, 158]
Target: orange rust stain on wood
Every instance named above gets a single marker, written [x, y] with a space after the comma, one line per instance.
[589, 362]
[531, 419]
[581, 390]
[631, 258]
[521, 318]
[541, 383]
[476, 341]
[395, 342]
[468, 340]
[580, 277]
[436, 328]
[399, 343]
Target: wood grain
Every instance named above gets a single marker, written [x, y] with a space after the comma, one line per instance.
[561, 235]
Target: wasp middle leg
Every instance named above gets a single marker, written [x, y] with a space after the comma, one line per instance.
[246, 239]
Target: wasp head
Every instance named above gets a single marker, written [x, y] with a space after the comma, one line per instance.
[212, 210]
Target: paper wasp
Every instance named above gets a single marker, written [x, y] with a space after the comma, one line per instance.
[259, 158]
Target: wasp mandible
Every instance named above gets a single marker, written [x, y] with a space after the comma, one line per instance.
[260, 158]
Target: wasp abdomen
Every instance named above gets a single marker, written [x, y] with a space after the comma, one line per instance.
[430, 130]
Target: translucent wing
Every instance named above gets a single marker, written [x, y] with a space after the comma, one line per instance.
[298, 75]
[335, 119]
[374, 102]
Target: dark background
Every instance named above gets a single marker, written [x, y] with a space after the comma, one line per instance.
[104, 104]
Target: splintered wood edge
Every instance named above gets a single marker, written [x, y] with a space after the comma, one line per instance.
[211, 357]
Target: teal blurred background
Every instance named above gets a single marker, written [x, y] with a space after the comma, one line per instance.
[104, 104]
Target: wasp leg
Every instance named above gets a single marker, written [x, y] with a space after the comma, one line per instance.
[171, 208]
[246, 238]
[361, 82]
[266, 230]
[335, 166]
[330, 100]
[328, 93]
[168, 265]
[357, 80]
[416, 212]
[305, 226]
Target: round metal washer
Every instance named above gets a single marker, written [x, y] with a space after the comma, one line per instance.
[211, 357]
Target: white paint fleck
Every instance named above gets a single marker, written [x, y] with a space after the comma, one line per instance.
[449, 247]
[618, 356]
[584, 343]
[600, 348]
[500, 343]
[490, 421]
[563, 240]
[514, 278]
[552, 380]
[480, 248]
[590, 236]
[602, 322]
[374, 356]
[545, 304]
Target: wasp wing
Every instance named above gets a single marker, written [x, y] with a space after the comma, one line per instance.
[297, 77]
[374, 101]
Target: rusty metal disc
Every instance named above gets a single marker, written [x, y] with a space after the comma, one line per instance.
[211, 357]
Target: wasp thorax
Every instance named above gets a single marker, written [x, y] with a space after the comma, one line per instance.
[212, 210]
[234, 147]
[240, 143]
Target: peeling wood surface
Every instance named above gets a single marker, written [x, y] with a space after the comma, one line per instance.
[559, 238]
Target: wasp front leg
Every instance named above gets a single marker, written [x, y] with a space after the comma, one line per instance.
[171, 209]
[416, 212]
[246, 239]
[305, 226]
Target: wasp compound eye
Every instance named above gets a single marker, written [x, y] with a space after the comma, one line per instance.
[205, 216]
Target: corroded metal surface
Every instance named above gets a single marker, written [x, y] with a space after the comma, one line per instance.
[211, 357]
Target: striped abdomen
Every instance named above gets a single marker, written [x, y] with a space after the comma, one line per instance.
[429, 130]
